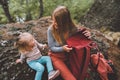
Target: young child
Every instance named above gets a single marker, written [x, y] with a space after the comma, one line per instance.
[30, 49]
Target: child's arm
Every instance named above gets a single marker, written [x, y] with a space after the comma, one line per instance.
[41, 46]
[19, 61]
[22, 57]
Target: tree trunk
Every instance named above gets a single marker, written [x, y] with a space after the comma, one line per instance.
[5, 7]
[103, 13]
[28, 15]
[41, 8]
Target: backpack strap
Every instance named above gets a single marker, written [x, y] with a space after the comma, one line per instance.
[86, 63]
[95, 46]
[98, 61]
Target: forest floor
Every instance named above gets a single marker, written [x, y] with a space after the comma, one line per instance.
[8, 55]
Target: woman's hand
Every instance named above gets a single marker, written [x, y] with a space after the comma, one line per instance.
[66, 48]
[19, 61]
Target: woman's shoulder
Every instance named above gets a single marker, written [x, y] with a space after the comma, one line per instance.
[50, 28]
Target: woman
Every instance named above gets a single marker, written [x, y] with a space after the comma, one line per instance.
[61, 29]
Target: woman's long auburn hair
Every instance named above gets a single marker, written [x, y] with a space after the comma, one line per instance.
[25, 42]
[65, 25]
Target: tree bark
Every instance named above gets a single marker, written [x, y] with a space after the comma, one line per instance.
[41, 8]
[28, 14]
[5, 7]
[103, 13]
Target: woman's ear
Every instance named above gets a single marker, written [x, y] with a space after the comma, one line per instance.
[15, 45]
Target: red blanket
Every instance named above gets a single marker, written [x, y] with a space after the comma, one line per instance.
[80, 55]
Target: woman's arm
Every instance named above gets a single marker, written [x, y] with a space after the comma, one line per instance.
[52, 43]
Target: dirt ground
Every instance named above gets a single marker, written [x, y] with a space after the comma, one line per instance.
[8, 54]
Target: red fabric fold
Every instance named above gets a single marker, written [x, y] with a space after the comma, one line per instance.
[103, 68]
[80, 56]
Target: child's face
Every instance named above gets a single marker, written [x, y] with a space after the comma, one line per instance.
[26, 42]
[32, 43]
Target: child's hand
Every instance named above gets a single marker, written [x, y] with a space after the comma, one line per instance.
[44, 46]
[18, 61]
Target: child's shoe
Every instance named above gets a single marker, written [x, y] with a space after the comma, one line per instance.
[53, 74]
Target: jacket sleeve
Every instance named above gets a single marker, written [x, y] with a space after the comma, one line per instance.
[22, 57]
[52, 43]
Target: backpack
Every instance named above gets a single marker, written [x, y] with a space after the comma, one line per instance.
[80, 59]
[102, 68]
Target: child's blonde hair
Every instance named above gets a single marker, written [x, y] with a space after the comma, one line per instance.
[25, 42]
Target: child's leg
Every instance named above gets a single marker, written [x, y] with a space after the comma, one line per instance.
[52, 73]
[39, 68]
[46, 60]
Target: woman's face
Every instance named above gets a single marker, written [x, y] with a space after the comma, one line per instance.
[55, 23]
